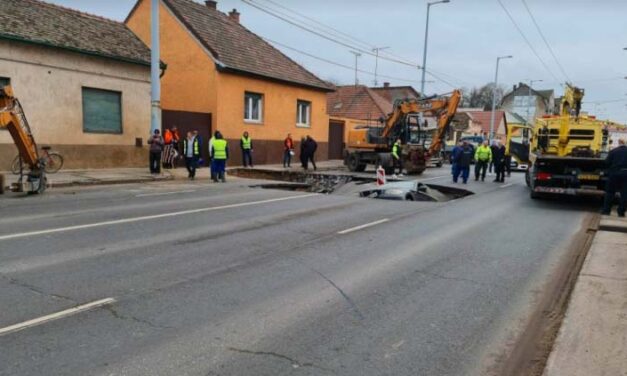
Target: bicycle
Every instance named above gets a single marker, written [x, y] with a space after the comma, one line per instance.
[53, 162]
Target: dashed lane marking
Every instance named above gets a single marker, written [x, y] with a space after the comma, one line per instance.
[361, 227]
[55, 316]
[506, 185]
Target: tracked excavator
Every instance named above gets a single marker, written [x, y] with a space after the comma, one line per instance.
[373, 144]
[13, 119]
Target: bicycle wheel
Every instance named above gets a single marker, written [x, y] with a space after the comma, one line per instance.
[54, 162]
[15, 165]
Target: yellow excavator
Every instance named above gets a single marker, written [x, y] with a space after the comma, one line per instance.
[373, 144]
[568, 151]
[13, 119]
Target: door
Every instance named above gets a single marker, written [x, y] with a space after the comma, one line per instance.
[336, 140]
[188, 122]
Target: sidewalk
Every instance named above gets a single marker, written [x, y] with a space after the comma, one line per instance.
[68, 178]
[593, 336]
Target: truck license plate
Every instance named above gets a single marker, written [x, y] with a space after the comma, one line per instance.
[588, 177]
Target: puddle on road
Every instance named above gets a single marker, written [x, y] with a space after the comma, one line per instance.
[342, 183]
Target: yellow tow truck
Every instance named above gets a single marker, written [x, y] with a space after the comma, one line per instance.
[568, 151]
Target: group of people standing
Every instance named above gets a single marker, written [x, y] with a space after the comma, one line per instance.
[168, 149]
[485, 157]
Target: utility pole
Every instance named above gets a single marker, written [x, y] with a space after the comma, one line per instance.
[529, 99]
[357, 55]
[155, 83]
[496, 84]
[376, 62]
[424, 52]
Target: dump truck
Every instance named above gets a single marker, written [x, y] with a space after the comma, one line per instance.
[568, 150]
[372, 144]
[12, 118]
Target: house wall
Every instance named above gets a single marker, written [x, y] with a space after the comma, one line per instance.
[49, 81]
[192, 83]
[278, 116]
[190, 80]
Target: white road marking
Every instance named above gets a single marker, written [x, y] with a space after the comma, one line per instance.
[433, 178]
[149, 217]
[56, 316]
[356, 228]
[164, 193]
[506, 185]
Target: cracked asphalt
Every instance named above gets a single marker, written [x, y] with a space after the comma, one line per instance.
[266, 287]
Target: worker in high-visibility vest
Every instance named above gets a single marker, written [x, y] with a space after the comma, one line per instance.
[191, 150]
[220, 153]
[246, 143]
[396, 157]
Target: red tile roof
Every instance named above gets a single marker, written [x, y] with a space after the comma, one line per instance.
[357, 102]
[392, 93]
[37, 22]
[237, 49]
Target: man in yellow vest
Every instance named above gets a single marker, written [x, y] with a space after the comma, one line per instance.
[246, 144]
[396, 156]
[483, 157]
[220, 153]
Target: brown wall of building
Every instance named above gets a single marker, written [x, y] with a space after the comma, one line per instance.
[87, 156]
[271, 152]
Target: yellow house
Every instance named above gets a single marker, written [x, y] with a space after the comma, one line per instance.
[221, 76]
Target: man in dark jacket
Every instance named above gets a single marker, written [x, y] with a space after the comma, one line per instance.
[309, 150]
[462, 162]
[498, 156]
[156, 147]
[191, 151]
[616, 162]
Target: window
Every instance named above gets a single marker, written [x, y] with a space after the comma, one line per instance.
[4, 81]
[102, 111]
[253, 107]
[303, 113]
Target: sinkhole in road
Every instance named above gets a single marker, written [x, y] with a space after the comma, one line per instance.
[330, 182]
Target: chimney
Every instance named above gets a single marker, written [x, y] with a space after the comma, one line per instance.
[211, 4]
[386, 84]
[234, 15]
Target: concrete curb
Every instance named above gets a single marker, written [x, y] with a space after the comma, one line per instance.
[94, 182]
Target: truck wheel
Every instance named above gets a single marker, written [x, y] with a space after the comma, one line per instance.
[352, 162]
[528, 177]
[534, 195]
[361, 167]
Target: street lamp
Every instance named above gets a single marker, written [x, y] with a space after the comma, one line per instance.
[424, 52]
[496, 84]
[529, 99]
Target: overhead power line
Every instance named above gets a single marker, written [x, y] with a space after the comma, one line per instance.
[509, 15]
[546, 42]
[329, 38]
[334, 38]
[352, 68]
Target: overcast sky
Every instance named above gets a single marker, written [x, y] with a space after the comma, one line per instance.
[465, 37]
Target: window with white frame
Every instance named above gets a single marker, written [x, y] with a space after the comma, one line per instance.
[253, 107]
[303, 113]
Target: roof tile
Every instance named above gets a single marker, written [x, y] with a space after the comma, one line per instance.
[237, 48]
[357, 102]
[43, 23]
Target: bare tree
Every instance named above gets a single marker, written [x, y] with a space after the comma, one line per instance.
[481, 97]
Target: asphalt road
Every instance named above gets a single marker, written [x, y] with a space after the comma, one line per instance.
[230, 280]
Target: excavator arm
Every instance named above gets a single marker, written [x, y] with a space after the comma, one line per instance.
[445, 116]
[13, 119]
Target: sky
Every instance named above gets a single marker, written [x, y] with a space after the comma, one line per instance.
[586, 37]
